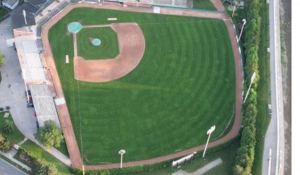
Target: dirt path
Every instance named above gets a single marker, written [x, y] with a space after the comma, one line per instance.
[131, 46]
[63, 110]
[218, 4]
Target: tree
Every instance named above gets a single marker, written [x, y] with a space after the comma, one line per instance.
[50, 134]
[238, 170]
[1, 59]
[8, 127]
[41, 167]
[5, 144]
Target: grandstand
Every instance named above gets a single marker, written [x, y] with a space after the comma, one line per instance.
[43, 103]
[36, 78]
[31, 65]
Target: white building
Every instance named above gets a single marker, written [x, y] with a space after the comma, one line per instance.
[11, 4]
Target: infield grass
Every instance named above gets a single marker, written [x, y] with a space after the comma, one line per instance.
[184, 84]
[109, 43]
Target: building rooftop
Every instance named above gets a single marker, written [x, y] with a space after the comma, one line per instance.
[10, 2]
[31, 63]
[43, 103]
[17, 18]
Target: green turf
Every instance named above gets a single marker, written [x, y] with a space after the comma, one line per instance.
[38, 152]
[109, 43]
[203, 4]
[184, 84]
[16, 136]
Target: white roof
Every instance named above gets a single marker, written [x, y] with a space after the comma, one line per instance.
[40, 90]
[30, 60]
[43, 103]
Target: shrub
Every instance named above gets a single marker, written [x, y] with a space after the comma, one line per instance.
[5, 144]
[8, 127]
[41, 167]
[1, 59]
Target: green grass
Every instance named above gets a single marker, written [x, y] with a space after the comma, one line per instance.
[63, 149]
[3, 12]
[109, 43]
[38, 152]
[203, 4]
[184, 84]
[16, 136]
[263, 91]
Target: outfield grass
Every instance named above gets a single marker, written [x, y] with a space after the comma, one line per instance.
[109, 43]
[38, 152]
[184, 84]
[203, 4]
[16, 136]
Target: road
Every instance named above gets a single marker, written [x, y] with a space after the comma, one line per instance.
[8, 169]
[274, 138]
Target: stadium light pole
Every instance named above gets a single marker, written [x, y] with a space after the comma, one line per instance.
[244, 23]
[252, 79]
[209, 132]
[121, 152]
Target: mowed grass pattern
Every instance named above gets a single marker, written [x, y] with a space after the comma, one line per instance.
[184, 84]
[109, 43]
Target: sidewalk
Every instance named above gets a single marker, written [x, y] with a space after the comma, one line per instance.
[202, 170]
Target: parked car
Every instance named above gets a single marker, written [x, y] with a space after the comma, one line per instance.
[30, 105]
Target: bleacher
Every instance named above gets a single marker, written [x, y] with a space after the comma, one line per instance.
[163, 2]
[181, 3]
[76, 1]
[47, 18]
[91, 1]
[52, 13]
[40, 46]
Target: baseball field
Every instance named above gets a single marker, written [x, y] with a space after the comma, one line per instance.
[183, 85]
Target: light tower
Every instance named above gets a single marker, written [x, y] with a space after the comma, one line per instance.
[209, 132]
[121, 152]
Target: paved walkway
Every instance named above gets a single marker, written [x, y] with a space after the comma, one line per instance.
[55, 153]
[63, 110]
[12, 91]
[202, 170]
